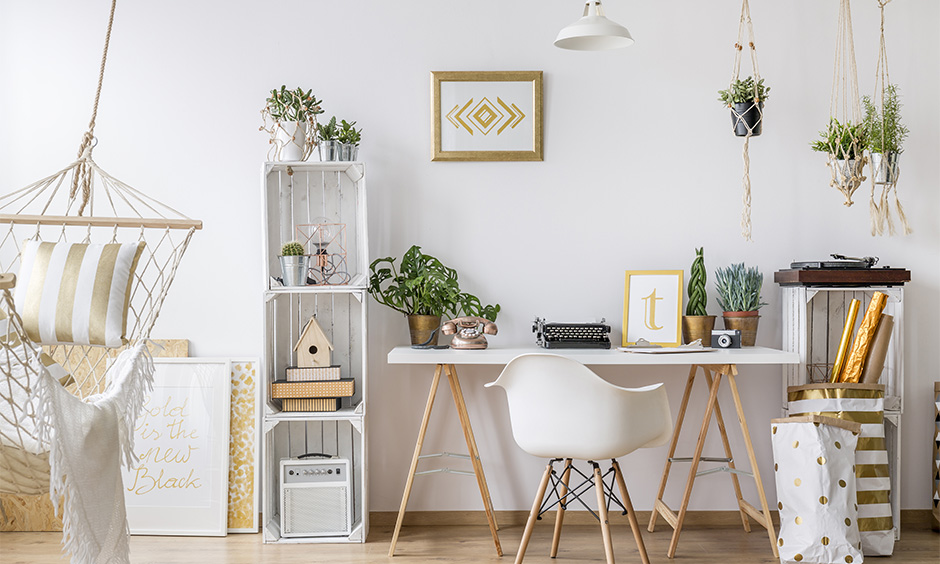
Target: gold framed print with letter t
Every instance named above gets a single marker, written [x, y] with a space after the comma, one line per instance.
[486, 116]
[652, 307]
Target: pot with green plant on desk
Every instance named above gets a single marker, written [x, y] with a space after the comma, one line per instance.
[328, 140]
[423, 289]
[293, 117]
[845, 144]
[746, 99]
[739, 296]
[294, 264]
[885, 134]
[696, 323]
[349, 138]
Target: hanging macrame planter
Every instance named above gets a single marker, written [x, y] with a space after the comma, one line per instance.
[746, 99]
[844, 140]
[886, 136]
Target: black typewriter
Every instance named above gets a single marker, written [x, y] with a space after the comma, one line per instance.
[571, 335]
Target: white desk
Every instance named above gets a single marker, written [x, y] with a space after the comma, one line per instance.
[715, 365]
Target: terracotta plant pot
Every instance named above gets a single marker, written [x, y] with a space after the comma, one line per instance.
[698, 327]
[744, 321]
[424, 329]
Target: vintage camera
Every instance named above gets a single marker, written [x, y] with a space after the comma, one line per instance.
[726, 339]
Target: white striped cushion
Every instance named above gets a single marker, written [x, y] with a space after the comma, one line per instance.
[76, 293]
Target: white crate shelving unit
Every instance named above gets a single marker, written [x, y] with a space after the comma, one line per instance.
[813, 321]
[297, 194]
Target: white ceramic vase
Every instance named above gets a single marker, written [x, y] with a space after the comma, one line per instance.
[290, 138]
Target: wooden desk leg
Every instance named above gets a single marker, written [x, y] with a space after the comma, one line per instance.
[672, 447]
[414, 460]
[768, 521]
[696, 456]
[727, 446]
[474, 453]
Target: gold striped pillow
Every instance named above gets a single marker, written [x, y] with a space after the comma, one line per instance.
[76, 293]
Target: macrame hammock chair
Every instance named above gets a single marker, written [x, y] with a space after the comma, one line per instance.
[885, 168]
[747, 119]
[845, 142]
[52, 396]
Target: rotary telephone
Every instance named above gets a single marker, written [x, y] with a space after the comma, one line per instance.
[467, 332]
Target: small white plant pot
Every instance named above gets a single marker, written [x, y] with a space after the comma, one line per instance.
[290, 138]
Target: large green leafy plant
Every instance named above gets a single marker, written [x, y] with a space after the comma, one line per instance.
[293, 105]
[739, 288]
[884, 129]
[423, 285]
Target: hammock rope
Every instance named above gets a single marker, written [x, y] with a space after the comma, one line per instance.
[745, 26]
[879, 206]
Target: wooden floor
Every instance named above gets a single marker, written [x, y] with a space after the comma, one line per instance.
[458, 544]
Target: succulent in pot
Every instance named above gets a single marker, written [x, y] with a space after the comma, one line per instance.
[696, 323]
[293, 114]
[746, 99]
[423, 289]
[349, 137]
[739, 296]
[328, 140]
[294, 264]
[886, 134]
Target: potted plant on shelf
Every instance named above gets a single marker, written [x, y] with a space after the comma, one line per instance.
[696, 323]
[845, 143]
[328, 140]
[294, 264]
[349, 137]
[885, 134]
[739, 297]
[746, 99]
[423, 289]
[294, 116]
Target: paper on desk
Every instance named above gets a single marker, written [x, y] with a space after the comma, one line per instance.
[668, 350]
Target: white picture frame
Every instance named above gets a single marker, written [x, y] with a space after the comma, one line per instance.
[652, 307]
[180, 483]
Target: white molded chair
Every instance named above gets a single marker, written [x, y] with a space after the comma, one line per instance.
[561, 410]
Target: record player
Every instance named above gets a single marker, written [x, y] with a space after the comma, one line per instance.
[841, 271]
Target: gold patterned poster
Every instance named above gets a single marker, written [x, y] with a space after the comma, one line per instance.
[243, 448]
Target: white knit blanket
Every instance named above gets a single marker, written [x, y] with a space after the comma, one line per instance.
[90, 439]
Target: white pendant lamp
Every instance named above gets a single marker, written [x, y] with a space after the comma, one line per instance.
[593, 32]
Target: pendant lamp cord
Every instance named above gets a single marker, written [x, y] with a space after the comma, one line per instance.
[82, 178]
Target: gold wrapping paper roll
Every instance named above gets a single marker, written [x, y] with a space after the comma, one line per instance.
[863, 338]
[878, 351]
[839, 363]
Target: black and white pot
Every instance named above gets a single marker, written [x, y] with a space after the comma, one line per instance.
[885, 167]
[747, 116]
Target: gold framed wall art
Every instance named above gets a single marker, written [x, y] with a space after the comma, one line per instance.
[486, 116]
[652, 307]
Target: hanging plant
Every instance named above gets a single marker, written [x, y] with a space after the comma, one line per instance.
[290, 117]
[746, 99]
[886, 134]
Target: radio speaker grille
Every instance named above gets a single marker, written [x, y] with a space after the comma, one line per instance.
[316, 511]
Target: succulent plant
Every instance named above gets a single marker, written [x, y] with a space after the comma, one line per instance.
[349, 134]
[745, 90]
[292, 249]
[293, 105]
[697, 296]
[328, 131]
[739, 288]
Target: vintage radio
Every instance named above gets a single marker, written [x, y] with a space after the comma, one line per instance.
[315, 497]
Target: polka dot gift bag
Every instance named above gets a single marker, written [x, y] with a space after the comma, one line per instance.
[814, 464]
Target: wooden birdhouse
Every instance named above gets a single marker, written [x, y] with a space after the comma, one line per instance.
[313, 348]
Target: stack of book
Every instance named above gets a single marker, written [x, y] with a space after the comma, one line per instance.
[312, 389]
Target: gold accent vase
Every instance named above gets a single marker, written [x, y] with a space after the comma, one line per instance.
[698, 327]
[744, 321]
[424, 329]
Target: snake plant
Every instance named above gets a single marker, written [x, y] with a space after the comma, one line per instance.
[697, 297]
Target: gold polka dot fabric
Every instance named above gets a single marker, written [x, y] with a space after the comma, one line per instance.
[871, 473]
[815, 492]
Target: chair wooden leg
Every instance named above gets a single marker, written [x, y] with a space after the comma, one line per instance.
[631, 514]
[560, 515]
[602, 513]
[534, 514]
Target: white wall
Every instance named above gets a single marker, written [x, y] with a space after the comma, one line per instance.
[639, 169]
